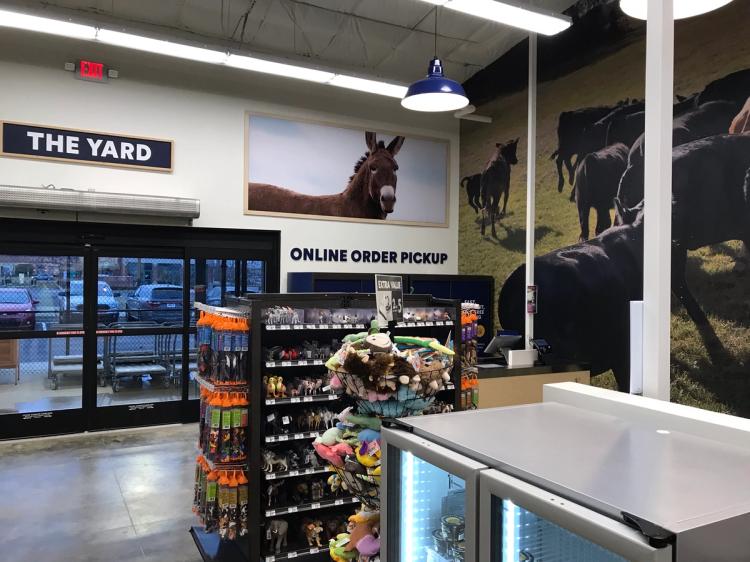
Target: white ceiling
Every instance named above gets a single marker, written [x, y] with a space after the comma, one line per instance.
[390, 39]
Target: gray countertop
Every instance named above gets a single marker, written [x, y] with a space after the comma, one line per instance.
[494, 370]
[675, 480]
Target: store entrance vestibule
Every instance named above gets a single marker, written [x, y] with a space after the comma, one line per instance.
[97, 330]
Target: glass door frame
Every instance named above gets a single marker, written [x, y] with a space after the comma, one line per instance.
[32, 424]
[226, 252]
[130, 414]
[30, 236]
[613, 535]
[394, 443]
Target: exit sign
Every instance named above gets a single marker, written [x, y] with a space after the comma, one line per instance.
[92, 71]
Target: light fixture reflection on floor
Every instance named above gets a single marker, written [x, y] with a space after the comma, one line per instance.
[682, 8]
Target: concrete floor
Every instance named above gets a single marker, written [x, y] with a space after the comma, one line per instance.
[110, 496]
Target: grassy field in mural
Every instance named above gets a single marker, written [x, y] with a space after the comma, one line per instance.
[701, 55]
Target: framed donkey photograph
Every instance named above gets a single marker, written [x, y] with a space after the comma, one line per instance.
[305, 169]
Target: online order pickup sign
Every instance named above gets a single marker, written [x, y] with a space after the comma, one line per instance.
[389, 297]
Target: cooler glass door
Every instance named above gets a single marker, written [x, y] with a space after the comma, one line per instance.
[429, 501]
[523, 523]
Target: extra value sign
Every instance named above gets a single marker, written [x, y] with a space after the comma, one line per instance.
[23, 140]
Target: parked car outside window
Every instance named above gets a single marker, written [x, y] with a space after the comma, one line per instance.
[157, 303]
[17, 309]
[108, 308]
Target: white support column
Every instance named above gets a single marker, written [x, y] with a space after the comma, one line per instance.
[530, 186]
[657, 247]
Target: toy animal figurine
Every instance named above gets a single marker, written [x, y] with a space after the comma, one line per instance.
[275, 387]
[293, 460]
[301, 421]
[301, 492]
[308, 387]
[313, 530]
[316, 418]
[276, 533]
[311, 459]
[328, 418]
[274, 492]
[271, 460]
[333, 526]
[316, 490]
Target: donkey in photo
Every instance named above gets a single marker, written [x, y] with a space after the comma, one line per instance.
[495, 181]
[370, 193]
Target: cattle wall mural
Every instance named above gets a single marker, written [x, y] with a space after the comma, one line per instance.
[590, 214]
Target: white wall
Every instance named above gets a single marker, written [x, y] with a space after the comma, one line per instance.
[207, 128]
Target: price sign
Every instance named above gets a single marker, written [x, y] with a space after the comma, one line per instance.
[389, 296]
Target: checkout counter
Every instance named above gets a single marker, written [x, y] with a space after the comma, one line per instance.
[499, 383]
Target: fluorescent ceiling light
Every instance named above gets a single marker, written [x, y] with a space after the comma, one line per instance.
[510, 13]
[141, 43]
[181, 50]
[682, 8]
[279, 69]
[46, 25]
[371, 86]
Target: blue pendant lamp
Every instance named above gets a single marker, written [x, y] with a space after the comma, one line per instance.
[435, 92]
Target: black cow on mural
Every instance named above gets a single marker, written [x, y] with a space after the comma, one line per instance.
[495, 181]
[710, 203]
[473, 186]
[626, 129]
[733, 87]
[596, 183]
[712, 118]
[572, 140]
[584, 294]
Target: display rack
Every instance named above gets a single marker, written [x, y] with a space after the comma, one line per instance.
[274, 416]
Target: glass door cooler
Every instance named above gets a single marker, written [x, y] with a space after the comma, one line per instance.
[565, 484]
[522, 523]
[429, 501]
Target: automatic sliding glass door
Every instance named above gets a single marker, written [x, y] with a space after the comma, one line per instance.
[41, 343]
[140, 309]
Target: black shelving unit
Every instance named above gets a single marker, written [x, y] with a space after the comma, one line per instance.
[262, 435]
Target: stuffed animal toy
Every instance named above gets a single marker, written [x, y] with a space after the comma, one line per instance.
[330, 436]
[368, 435]
[337, 549]
[366, 456]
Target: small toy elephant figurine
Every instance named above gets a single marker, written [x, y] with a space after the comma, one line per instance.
[276, 534]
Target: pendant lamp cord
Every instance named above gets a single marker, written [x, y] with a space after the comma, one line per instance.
[436, 14]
